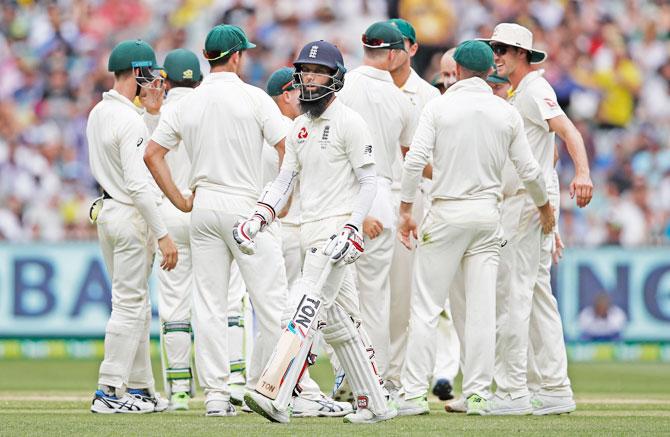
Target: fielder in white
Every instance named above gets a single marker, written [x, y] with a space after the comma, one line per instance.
[370, 91]
[128, 226]
[330, 148]
[223, 124]
[174, 287]
[526, 306]
[469, 133]
[419, 93]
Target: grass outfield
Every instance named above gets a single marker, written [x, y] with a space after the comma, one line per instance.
[52, 398]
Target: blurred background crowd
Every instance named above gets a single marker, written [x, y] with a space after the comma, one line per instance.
[608, 62]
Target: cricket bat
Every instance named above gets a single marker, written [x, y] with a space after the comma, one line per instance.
[285, 363]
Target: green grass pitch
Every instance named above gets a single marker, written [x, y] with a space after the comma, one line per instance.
[51, 397]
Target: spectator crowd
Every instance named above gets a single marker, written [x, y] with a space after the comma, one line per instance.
[609, 62]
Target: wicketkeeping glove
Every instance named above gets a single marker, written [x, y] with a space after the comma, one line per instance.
[244, 231]
[346, 246]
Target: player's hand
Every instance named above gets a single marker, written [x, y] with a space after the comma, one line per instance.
[187, 203]
[582, 187]
[244, 233]
[345, 246]
[547, 220]
[151, 98]
[168, 252]
[406, 230]
[557, 252]
[372, 227]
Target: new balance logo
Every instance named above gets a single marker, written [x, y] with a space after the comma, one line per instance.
[368, 149]
[313, 51]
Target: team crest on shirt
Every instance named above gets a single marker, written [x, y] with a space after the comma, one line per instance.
[324, 137]
[302, 135]
[552, 104]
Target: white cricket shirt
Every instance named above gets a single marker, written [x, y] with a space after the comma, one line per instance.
[469, 133]
[177, 159]
[389, 114]
[419, 91]
[325, 153]
[536, 101]
[117, 137]
[223, 124]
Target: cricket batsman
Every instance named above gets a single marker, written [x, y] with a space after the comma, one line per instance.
[128, 226]
[330, 148]
[526, 306]
[222, 125]
[469, 133]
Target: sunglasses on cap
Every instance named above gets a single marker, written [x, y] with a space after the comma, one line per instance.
[377, 43]
[214, 55]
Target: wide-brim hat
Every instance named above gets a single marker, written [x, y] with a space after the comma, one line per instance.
[515, 35]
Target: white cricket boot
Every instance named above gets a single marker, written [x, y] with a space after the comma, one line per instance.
[506, 406]
[265, 407]
[413, 407]
[364, 415]
[219, 408]
[459, 405]
[160, 404]
[109, 404]
[324, 407]
[544, 404]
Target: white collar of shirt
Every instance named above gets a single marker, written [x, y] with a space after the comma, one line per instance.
[225, 76]
[412, 84]
[177, 93]
[330, 110]
[374, 73]
[115, 95]
[471, 84]
[527, 79]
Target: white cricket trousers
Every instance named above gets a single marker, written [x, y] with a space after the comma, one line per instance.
[547, 359]
[127, 248]
[519, 264]
[213, 249]
[455, 234]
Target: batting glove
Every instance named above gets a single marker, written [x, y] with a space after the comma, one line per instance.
[244, 231]
[346, 246]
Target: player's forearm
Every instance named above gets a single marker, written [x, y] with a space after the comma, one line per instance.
[577, 151]
[161, 173]
[415, 163]
[277, 194]
[367, 178]
[537, 189]
[146, 203]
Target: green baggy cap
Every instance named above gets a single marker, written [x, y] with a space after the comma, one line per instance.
[405, 27]
[280, 81]
[383, 35]
[226, 38]
[132, 54]
[182, 64]
[474, 55]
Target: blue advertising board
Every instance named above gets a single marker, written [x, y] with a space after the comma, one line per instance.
[55, 290]
[62, 290]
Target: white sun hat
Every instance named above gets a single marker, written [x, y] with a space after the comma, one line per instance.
[516, 35]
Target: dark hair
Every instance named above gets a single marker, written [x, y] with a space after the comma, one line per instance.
[123, 73]
[221, 61]
[186, 83]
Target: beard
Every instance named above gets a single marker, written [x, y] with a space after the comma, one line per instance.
[313, 109]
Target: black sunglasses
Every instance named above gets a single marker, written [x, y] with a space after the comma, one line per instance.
[499, 49]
